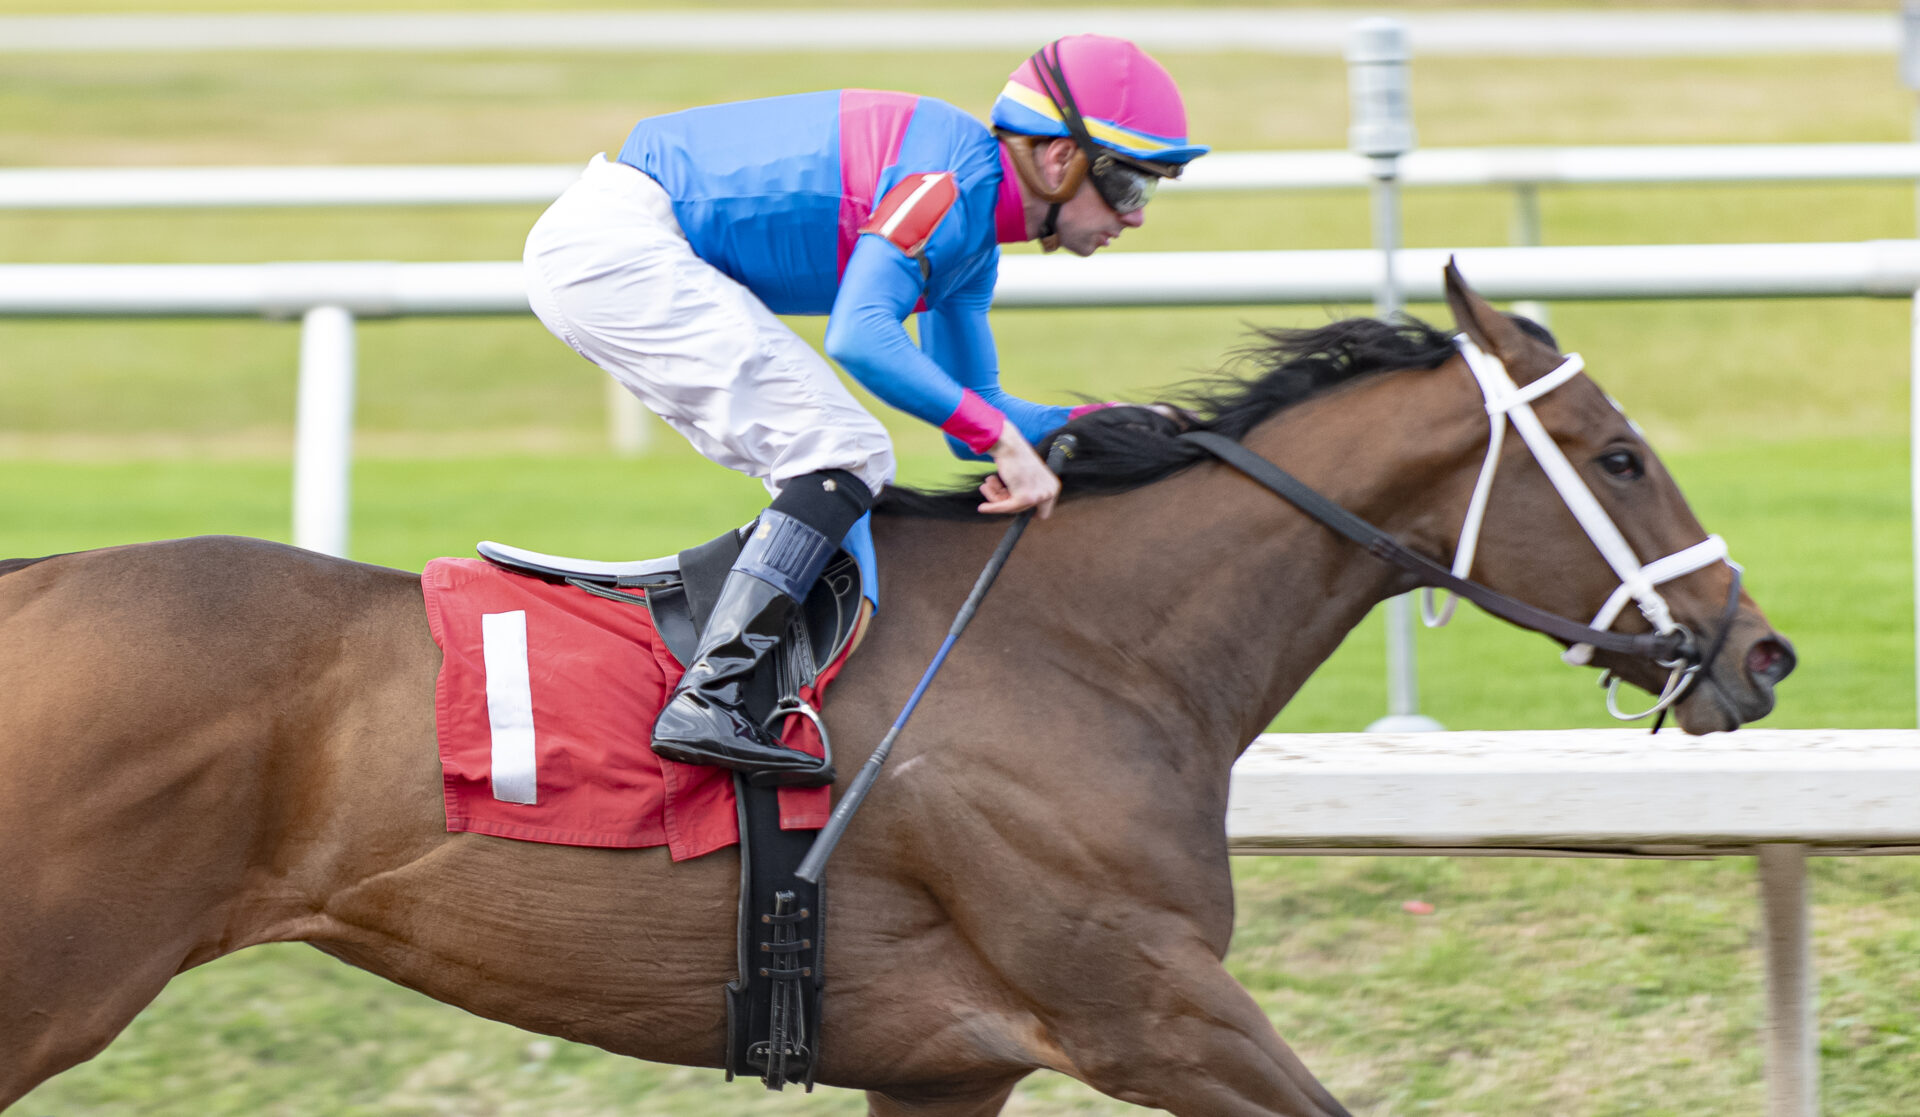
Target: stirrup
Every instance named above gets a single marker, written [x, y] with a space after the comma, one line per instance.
[781, 766]
[821, 774]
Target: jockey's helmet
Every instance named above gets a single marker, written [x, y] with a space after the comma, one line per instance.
[1114, 101]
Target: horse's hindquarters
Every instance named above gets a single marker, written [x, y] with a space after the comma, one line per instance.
[175, 720]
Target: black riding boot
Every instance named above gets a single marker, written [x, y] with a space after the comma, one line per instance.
[705, 722]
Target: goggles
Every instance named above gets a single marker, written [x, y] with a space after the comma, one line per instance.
[1124, 185]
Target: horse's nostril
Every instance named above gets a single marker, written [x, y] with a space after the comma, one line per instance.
[1770, 659]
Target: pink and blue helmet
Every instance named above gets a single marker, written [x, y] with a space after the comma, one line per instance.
[1127, 101]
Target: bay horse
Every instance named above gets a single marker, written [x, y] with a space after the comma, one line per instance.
[213, 743]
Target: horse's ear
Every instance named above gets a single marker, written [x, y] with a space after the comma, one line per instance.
[1491, 330]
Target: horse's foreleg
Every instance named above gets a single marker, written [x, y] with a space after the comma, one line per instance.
[1194, 1043]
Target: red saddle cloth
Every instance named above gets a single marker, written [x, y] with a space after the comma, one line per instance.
[551, 744]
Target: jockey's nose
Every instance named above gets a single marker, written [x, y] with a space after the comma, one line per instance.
[1135, 219]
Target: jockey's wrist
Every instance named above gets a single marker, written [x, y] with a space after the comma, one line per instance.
[976, 423]
[1010, 444]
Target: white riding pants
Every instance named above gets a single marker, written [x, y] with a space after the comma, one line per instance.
[611, 274]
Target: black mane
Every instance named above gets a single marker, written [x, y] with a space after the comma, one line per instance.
[1124, 448]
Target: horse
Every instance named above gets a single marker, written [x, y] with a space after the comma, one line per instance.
[213, 743]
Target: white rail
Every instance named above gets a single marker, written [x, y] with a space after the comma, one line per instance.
[496, 184]
[1884, 269]
[1775, 795]
[1622, 791]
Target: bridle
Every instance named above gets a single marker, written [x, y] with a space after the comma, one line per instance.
[1670, 645]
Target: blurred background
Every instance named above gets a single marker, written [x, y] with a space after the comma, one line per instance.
[1582, 987]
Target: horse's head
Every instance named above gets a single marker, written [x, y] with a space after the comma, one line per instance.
[1630, 556]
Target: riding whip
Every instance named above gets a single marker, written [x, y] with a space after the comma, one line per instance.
[829, 836]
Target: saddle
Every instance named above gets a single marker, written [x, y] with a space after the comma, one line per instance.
[773, 1006]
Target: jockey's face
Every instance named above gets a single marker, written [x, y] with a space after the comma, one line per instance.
[1086, 222]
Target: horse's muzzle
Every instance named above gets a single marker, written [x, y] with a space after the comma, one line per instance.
[1739, 688]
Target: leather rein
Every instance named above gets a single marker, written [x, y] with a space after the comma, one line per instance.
[1673, 649]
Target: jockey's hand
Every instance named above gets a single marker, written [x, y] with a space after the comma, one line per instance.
[1021, 480]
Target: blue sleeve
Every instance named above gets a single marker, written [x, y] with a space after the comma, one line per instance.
[955, 334]
[866, 334]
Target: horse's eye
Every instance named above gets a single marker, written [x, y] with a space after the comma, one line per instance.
[1624, 464]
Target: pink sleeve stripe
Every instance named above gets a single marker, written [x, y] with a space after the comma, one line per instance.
[1086, 407]
[975, 422]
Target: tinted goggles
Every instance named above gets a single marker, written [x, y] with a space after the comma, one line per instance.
[1125, 186]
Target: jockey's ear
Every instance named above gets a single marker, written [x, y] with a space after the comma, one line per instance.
[1057, 158]
[1491, 330]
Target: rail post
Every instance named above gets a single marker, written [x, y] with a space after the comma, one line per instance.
[323, 431]
[1381, 130]
[1526, 231]
[1792, 1037]
[629, 424]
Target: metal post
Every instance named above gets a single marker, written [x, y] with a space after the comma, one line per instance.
[323, 431]
[1382, 131]
[1526, 231]
[629, 429]
[1793, 1054]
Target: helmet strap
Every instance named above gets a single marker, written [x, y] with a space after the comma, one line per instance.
[1049, 237]
[1053, 82]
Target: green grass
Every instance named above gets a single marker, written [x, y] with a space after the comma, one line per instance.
[1570, 987]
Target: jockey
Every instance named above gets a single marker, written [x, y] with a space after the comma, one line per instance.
[667, 265]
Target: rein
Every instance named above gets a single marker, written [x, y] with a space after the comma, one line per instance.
[1670, 645]
[1659, 647]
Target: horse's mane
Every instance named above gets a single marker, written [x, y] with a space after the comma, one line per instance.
[1124, 448]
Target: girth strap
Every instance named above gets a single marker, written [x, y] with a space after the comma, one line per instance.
[1657, 647]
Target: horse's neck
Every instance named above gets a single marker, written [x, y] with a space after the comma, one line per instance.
[1204, 602]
